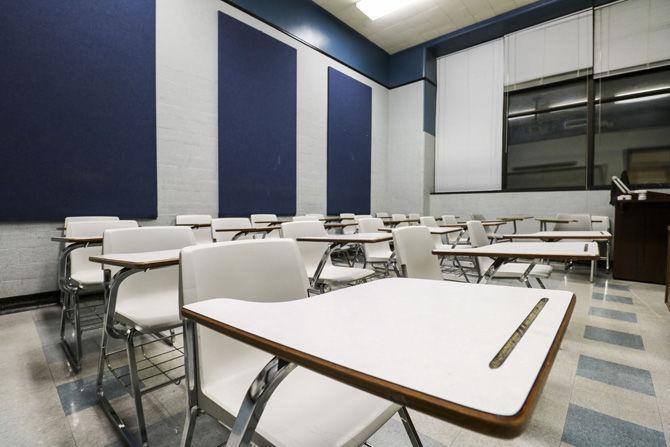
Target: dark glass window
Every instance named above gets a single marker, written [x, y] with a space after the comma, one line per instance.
[632, 128]
[547, 137]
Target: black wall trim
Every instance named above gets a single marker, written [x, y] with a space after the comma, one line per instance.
[497, 191]
[24, 302]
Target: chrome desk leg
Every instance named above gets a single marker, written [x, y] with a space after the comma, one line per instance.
[524, 277]
[409, 427]
[593, 270]
[136, 393]
[490, 273]
[190, 365]
[322, 263]
[254, 401]
[607, 254]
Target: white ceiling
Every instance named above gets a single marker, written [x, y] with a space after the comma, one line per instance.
[422, 20]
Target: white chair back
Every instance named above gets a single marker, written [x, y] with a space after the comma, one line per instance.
[396, 217]
[137, 240]
[382, 215]
[87, 218]
[311, 251]
[306, 218]
[79, 263]
[413, 247]
[450, 219]
[225, 223]
[416, 216]
[478, 238]
[256, 218]
[317, 215]
[363, 216]
[378, 249]
[583, 222]
[430, 221]
[260, 270]
[348, 218]
[203, 235]
[600, 223]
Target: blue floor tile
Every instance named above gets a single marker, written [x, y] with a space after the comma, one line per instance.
[614, 337]
[588, 428]
[613, 298]
[81, 394]
[615, 374]
[613, 314]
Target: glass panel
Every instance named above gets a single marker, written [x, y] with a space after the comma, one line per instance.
[547, 150]
[641, 83]
[547, 97]
[633, 135]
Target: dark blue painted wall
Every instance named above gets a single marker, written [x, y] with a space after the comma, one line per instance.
[77, 109]
[313, 25]
[349, 144]
[257, 122]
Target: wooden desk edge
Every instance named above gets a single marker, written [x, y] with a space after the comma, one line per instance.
[470, 252]
[495, 425]
[73, 240]
[133, 265]
[327, 240]
[553, 238]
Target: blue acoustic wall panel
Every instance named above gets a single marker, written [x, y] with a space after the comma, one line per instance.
[349, 144]
[77, 109]
[257, 122]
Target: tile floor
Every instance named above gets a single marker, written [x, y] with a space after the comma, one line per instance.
[610, 384]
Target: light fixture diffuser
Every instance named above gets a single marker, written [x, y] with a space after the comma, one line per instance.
[375, 9]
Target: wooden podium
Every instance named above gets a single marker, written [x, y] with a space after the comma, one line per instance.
[641, 238]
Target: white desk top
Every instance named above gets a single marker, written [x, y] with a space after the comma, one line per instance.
[427, 344]
[361, 238]
[557, 251]
[151, 259]
[558, 235]
[433, 230]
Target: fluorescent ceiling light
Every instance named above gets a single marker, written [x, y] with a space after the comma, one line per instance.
[643, 98]
[375, 9]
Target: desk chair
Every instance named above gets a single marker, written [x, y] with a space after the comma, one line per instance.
[602, 223]
[430, 221]
[413, 247]
[514, 270]
[382, 215]
[255, 218]
[317, 215]
[312, 252]
[228, 222]
[78, 275]
[146, 303]
[88, 218]
[583, 222]
[395, 216]
[348, 218]
[200, 224]
[450, 219]
[306, 218]
[380, 253]
[306, 409]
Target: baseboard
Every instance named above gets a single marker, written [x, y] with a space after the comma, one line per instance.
[20, 303]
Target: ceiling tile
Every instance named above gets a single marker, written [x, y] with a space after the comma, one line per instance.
[418, 22]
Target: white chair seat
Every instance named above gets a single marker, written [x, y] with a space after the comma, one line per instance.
[336, 274]
[155, 310]
[446, 247]
[88, 277]
[515, 270]
[306, 409]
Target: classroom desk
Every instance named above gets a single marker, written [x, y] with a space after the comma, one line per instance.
[334, 219]
[545, 220]
[514, 220]
[130, 263]
[532, 251]
[239, 232]
[339, 240]
[483, 371]
[194, 226]
[395, 223]
[433, 230]
[548, 236]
